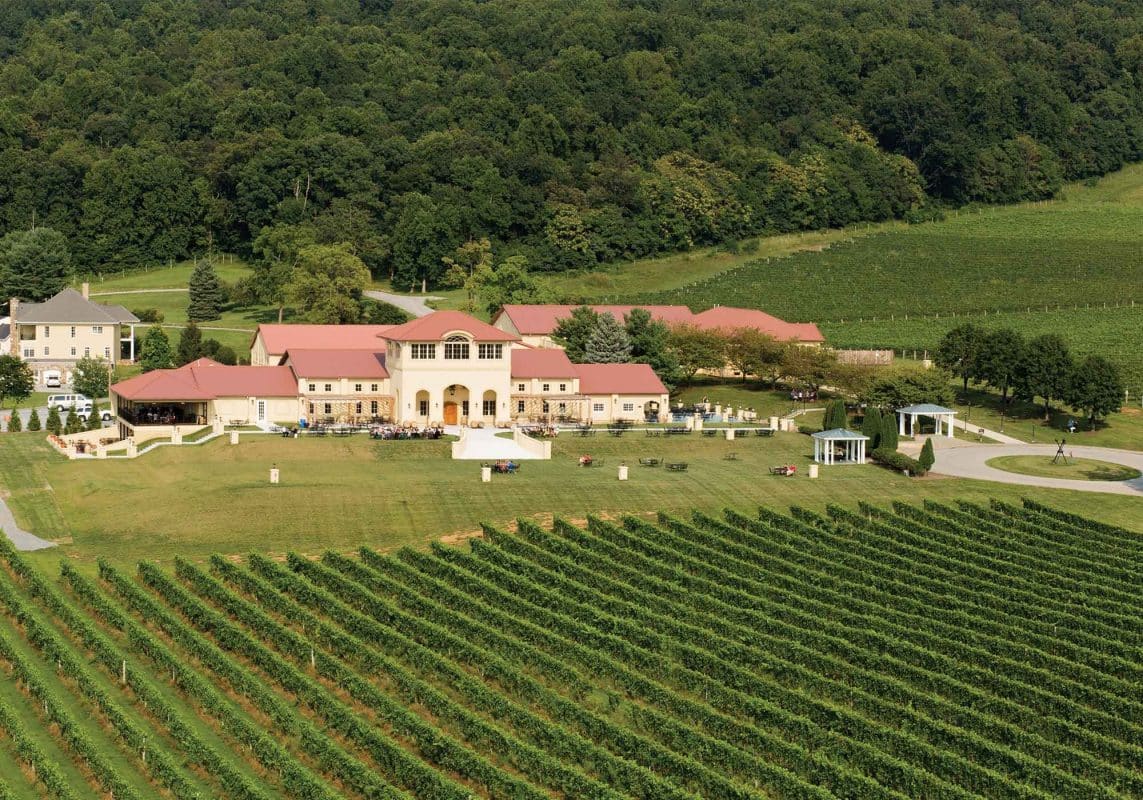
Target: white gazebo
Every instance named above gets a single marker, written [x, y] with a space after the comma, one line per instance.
[939, 414]
[826, 450]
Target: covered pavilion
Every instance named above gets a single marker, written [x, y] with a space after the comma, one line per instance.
[851, 449]
[939, 414]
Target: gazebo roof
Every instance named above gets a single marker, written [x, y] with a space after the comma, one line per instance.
[925, 409]
[839, 433]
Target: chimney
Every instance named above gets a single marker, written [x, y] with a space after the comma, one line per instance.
[13, 328]
[85, 289]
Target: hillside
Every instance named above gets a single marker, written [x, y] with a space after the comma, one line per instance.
[571, 132]
[935, 651]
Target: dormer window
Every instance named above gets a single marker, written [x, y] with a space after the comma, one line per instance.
[423, 351]
[456, 347]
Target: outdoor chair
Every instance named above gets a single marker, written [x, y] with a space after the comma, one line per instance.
[677, 466]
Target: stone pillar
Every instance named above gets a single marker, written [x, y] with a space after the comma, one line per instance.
[730, 434]
[486, 474]
[100, 451]
[774, 423]
[622, 472]
[697, 420]
[813, 470]
[216, 426]
[901, 423]
[234, 437]
[176, 436]
[132, 448]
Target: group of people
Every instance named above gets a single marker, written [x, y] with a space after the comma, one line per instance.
[508, 467]
[798, 395]
[405, 432]
[585, 460]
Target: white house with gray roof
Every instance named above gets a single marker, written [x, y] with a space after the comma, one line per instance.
[55, 334]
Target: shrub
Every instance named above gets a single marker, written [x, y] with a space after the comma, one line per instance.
[14, 425]
[94, 419]
[895, 460]
[927, 458]
[871, 426]
[148, 314]
[835, 416]
[54, 425]
[888, 432]
[34, 423]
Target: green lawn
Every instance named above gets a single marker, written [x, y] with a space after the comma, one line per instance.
[229, 268]
[1080, 469]
[343, 493]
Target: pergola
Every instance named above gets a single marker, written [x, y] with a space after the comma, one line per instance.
[939, 414]
[826, 446]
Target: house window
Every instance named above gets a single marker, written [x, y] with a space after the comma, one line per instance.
[490, 351]
[313, 387]
[628, 406]
[424, 351]
[97, 329]
[73, 331]
[29, 352]
[547, 387]
[456, 347]
[107, 352]
[47, 332]
[464, 408]
[562, 408]
[311, 409]
[519, 406]
[546, 409]
[357, 387]
[373, 387]
[598, 406]
[329, 408]
[86, 352]
[373, 407]
[563, 387]
[488, 408]
[519, 387]
[359, 408]
[329, 387]
[47, 351]
[73, 351]
[423, 406]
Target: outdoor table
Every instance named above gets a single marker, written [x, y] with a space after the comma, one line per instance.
[649, 462]
[677, 466]
[730, 457]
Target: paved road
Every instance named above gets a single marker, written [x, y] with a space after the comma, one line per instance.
[415, 304]
[21, 538]
[969, 462]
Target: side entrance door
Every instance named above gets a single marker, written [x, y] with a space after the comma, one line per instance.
[261, 406]
[450, 413]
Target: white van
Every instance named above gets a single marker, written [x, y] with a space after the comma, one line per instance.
[64, 402]
[52, 378]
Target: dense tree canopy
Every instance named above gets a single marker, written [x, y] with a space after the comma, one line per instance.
[567, 131]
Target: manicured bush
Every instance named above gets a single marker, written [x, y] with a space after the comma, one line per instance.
[34, 423]
[94, 419]
[14, 423]
[871, 426]
[927, 458]
[888, 432]
[835, 416]
[895, 460]
[54, 424]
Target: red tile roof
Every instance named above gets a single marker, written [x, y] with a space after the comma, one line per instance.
[336, 363]
[551, 363]
[207, 381]
[436, 326]
[280, 338]
[728, 318]
[540, 320]
[618, 379]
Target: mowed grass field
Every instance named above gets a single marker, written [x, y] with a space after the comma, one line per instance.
[338, 494]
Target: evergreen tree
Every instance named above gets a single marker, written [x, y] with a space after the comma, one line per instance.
[835, 416]
[190, 345]
[94, 419]
[608, 342]
[73, 424]
[14, 425]
[54, 424]
[155, 352]
[889, 432]
[206, 295]
[871, 426]
[34, 423]
[927, 458]
[574, 331]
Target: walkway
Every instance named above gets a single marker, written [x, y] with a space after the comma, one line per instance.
[417, 305]
[482, 444]
[969, 462]
[21, 538]
[995, 436]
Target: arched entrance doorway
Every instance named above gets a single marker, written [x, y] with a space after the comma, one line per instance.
[421, 407]
[456, 410]
[488, 407]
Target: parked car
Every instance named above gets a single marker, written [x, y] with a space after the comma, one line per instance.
[52, 378]
[66, 402]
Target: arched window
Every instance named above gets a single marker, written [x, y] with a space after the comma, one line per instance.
[456, 347]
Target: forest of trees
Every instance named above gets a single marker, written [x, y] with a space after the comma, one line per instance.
[569, 132]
